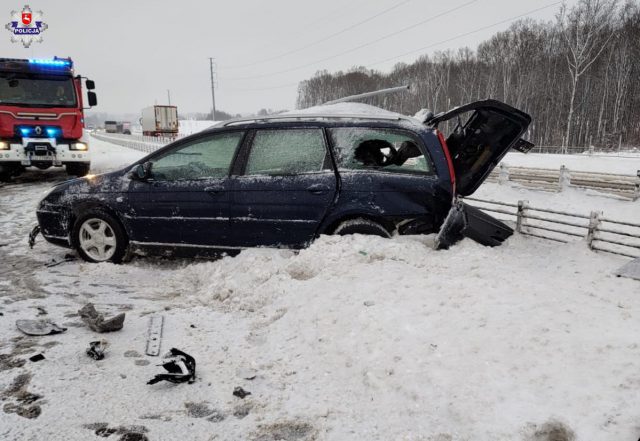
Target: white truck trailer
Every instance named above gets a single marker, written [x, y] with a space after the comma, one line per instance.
[159, 121]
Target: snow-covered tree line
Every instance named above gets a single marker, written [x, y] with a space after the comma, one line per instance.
[578, 76]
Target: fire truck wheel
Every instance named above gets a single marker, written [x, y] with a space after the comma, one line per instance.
[78, 169]
[9, 170]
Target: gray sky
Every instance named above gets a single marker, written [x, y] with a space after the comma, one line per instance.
[135, 50]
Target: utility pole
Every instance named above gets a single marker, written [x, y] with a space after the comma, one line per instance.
[169, 96]
[213, 93]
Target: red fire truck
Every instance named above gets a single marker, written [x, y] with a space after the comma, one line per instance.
[41, 116]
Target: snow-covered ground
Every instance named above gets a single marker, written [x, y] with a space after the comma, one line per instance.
[353, 338]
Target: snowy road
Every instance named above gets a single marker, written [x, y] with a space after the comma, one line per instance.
[354, 338]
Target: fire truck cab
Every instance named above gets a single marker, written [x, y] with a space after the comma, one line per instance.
[42, 116]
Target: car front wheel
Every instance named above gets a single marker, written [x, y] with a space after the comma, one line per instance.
[99, 237]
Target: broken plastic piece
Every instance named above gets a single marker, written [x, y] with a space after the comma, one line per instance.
[32, 236]
[181, 367]
[37, 357]
[97, 322]
[39, 327]
[240, 392]
[96, 349]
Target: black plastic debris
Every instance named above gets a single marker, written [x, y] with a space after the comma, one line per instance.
[240, 392]
[181, 367]
[37, 357]
[33, 234]
[96, 349]
[97, 322]
[39, 327]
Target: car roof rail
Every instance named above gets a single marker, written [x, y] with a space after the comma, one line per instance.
[307, 116]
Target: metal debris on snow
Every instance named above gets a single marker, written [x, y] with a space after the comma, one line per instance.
[154, 338]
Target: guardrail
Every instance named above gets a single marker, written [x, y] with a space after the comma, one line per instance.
[143, 143]
[627, 186]
[599, 232]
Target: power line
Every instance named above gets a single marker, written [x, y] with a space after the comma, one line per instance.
[322, 40]
[533, 11]
[306, 26]
[384, 37]
[465, 34]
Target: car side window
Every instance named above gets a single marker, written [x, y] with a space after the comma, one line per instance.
[359, 148]
[286, 152]
[208, 157]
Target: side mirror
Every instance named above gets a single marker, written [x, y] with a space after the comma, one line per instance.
[92, 98]
[142, 172]
[90, 84]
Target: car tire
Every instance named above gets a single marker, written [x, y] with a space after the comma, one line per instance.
[78, 169]
[99, 237]
[361, 226]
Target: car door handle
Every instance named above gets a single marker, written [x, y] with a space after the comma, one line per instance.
[214, 189]
[318, 189]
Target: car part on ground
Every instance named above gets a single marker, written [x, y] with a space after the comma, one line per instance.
[96, 349]
[466, 221]
[154, 335]
[240, 392]
[97, 322]
[36, 358]
[39, 327]
[181, 367]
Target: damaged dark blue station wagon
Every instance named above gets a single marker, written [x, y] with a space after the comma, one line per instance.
[282, 181]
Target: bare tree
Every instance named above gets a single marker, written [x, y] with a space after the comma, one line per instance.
[582, 28]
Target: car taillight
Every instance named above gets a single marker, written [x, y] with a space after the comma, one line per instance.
[452, 171]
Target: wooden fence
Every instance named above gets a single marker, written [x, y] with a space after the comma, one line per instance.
[600, 233]
[626, 186]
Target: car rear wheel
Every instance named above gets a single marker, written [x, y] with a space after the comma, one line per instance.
[78, 169]
[362, 226]
[99, 237]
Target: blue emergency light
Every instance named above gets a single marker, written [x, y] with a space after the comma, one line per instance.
[56, 62]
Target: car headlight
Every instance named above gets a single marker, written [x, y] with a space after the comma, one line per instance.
[78, 146]
[4, 145]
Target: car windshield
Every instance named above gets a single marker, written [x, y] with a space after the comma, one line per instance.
[37, 91]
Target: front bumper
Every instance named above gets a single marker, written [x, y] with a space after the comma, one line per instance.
[43, 150]
[55, 225]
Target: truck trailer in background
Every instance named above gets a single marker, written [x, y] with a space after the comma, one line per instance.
[111, 126]
[42, 116]
[159, 121]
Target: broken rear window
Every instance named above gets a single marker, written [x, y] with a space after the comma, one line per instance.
[359, 148]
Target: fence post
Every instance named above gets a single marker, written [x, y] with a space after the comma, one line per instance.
[636, 191]
[521, 214]
[564, 178]
[594, 223]
[503, 177]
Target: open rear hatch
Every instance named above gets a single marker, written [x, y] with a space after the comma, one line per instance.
[478, 135]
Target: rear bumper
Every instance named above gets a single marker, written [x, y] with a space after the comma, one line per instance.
[46, 150]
